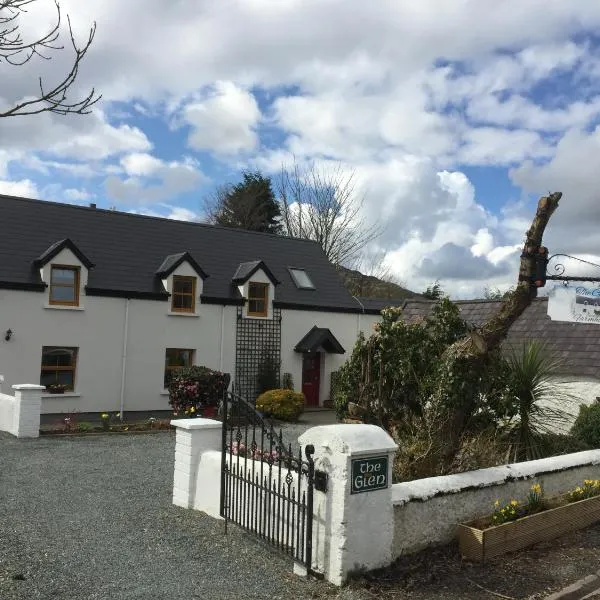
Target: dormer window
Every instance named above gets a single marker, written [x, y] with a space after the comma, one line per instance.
[64, 285]
[183, 297]
[301, 279]
[258, 299]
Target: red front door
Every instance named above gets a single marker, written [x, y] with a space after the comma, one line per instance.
[311, 378]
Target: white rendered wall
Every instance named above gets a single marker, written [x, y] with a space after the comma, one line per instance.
[295, 324]
[96, 328]
[439, 504]
[7, 413]
[98, 333]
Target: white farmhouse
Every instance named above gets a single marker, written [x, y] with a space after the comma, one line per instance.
[100, 306]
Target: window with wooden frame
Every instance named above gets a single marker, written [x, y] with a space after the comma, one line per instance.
[64, 285]
[183, 298]
[59, 365]
[176, 358]
[258, 297]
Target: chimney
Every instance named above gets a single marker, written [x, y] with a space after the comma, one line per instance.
[92, 205]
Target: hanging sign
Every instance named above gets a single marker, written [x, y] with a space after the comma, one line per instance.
[574, 304]
[369, 474]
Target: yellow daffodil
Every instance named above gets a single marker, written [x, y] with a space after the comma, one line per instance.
[513, 503]
[192, 410]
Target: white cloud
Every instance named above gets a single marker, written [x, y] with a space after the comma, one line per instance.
[177, 213]
[25, 188]
[141, 164]
[78, 195]
[87, 138]
[152, 180]
[225, 121]
[405, 93]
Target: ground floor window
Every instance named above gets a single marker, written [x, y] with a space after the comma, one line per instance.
[176, 358]
[59, 365]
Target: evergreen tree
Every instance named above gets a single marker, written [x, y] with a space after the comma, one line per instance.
[249, 204]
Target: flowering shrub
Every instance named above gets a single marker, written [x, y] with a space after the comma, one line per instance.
[193, 389]
[506, 513]
[535, 498]
[513, 510]
[281, 404]
[240, 449]
[590, 488]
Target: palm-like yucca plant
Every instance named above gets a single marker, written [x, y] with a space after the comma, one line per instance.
[538, 401]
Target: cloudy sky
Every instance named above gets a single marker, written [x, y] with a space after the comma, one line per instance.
[454, 114]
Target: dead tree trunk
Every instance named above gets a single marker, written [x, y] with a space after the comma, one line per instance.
[470, 354]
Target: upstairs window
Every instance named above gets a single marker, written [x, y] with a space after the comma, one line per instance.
[301, 279]
[58, 368]
[183, 298]
[176, 358]
[64, 285]
[258, 296]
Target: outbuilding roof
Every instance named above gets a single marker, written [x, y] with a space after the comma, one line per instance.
[577, 345]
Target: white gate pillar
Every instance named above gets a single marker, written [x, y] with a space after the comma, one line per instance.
[353, 526]
[197, 476]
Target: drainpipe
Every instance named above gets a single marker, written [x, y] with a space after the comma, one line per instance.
[222, 334]
[123, 368]
[363, 310]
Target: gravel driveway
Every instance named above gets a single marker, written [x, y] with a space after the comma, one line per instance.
[91, 518]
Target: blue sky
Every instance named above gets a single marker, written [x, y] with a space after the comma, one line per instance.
[453, 116]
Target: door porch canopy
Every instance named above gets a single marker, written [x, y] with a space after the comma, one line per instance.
[319, 339]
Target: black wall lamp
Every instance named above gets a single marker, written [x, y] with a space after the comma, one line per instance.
[8, 335]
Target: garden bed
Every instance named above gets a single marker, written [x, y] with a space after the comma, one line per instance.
[86, 428]
[480, 540]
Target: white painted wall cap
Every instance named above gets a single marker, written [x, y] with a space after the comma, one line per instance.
[28, 386]
[423, 489]
[199, 423]
[353, 439]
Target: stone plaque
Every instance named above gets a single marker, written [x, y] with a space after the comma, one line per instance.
[369, 474]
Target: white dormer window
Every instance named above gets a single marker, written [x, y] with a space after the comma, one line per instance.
[183, 278]
[64, 269]
[256, 284]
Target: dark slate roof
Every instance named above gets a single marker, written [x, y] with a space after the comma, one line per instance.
[245, 270]
[319, 338]
[172, 261]
[128, 249]
[577, 345]
[54, 249]
[378, 304]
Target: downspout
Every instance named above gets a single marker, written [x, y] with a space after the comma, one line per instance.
[123, 367]
[222, 335]
[362, 306]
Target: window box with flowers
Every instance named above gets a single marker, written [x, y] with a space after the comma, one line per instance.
[56, 388]
[514, 525]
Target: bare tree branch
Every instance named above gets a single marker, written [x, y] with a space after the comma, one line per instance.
[15, 52]
[322, 205]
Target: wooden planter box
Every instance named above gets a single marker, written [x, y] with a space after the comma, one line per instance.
[480, 544]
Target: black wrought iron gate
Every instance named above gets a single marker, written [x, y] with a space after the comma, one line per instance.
[266, 488]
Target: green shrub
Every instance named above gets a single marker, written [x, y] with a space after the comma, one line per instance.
[586, 428]
[84, 426]
[192, 389]
[282, 404]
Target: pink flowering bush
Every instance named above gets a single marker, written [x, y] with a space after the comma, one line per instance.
[240, 449]
[195, 390]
